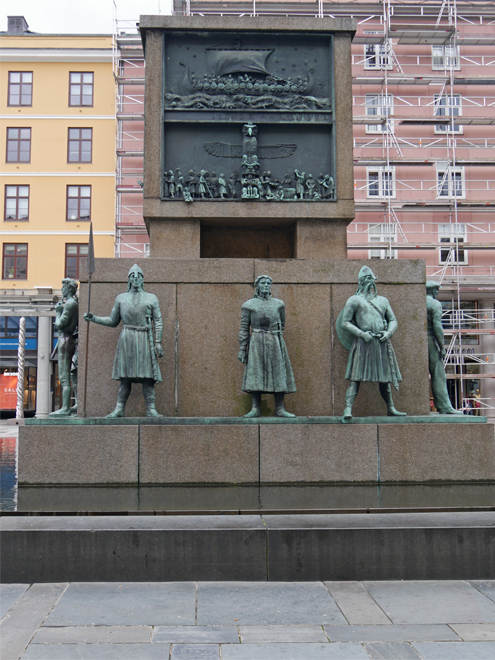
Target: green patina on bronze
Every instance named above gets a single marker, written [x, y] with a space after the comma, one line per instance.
[139, 343]
[66, 320]
[436, 351]
[365, 326]
[263, 349]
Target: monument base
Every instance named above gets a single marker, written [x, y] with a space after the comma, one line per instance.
[312, 450]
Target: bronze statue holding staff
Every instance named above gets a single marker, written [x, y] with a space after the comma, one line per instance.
[139, 343]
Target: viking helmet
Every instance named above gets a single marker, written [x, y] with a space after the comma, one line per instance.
[135, 269]
[365, 271]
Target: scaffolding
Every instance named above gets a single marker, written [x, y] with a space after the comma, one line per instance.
[131, 236]
[418, 68]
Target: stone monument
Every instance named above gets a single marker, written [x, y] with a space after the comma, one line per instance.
[248, 172]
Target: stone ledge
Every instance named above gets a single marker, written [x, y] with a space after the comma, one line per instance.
[434, 418]
[239, 451]
[267, 548]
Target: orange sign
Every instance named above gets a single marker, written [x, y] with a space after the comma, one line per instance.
[8, 392]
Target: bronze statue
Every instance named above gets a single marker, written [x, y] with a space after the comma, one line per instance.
[66, 323]
[365, 326]
[137, 349]
[263, 351]
[436, 351]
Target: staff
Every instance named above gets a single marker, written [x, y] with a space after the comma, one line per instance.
[91, 270]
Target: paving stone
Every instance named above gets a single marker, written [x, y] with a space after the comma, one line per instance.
[196, 634]
[487, 587]
[356, 604]
[399, 633]
[474, 632]
[25, 616]
[129, 603]
[432, 602]
[9, 593]
[272, 603]
[387, 651]
[294, 652]
[96, 652]
[267, 634]
[94, 635]
[456, 650]
[195, 652]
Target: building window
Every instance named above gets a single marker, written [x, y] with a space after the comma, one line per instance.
[9, 326]
[377, 56]
[380, 106]
[450, 182]
[455, 234]
[381, 182]
[448, 106]
[445, 57]
[80, 145]
[76, 258]
[18, 145]
[16, 203]
[78, 202]
[382, 232]
[15, 261]
[81, 88]
[20, 88]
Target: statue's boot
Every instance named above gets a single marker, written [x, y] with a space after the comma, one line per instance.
[350, 395]
[149, 398]
[256, 407]
[62, 412]
[449, 411]
[386, 392]
[280, 410]
[118, 412]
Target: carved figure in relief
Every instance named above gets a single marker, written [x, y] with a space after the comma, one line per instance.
[365, 326]
[140, 342]
[262, 349]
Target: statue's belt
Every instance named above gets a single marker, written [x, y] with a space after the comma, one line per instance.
[272, 332]
[139, 328]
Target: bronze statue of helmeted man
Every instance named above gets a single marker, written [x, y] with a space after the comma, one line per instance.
[262, 349]
[365, 326]
[139, 343]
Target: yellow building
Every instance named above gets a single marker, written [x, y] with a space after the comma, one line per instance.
[57, 143]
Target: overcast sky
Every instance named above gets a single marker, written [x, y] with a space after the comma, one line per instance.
[79, 16]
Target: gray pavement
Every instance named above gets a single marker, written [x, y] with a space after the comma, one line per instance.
[406, 620]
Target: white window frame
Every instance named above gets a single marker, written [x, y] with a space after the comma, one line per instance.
[452, 233]
[380, 105]
[378, 56]
[444, 56]
[385, 178]
[382, 232]
[447, 106]
[451, 182]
